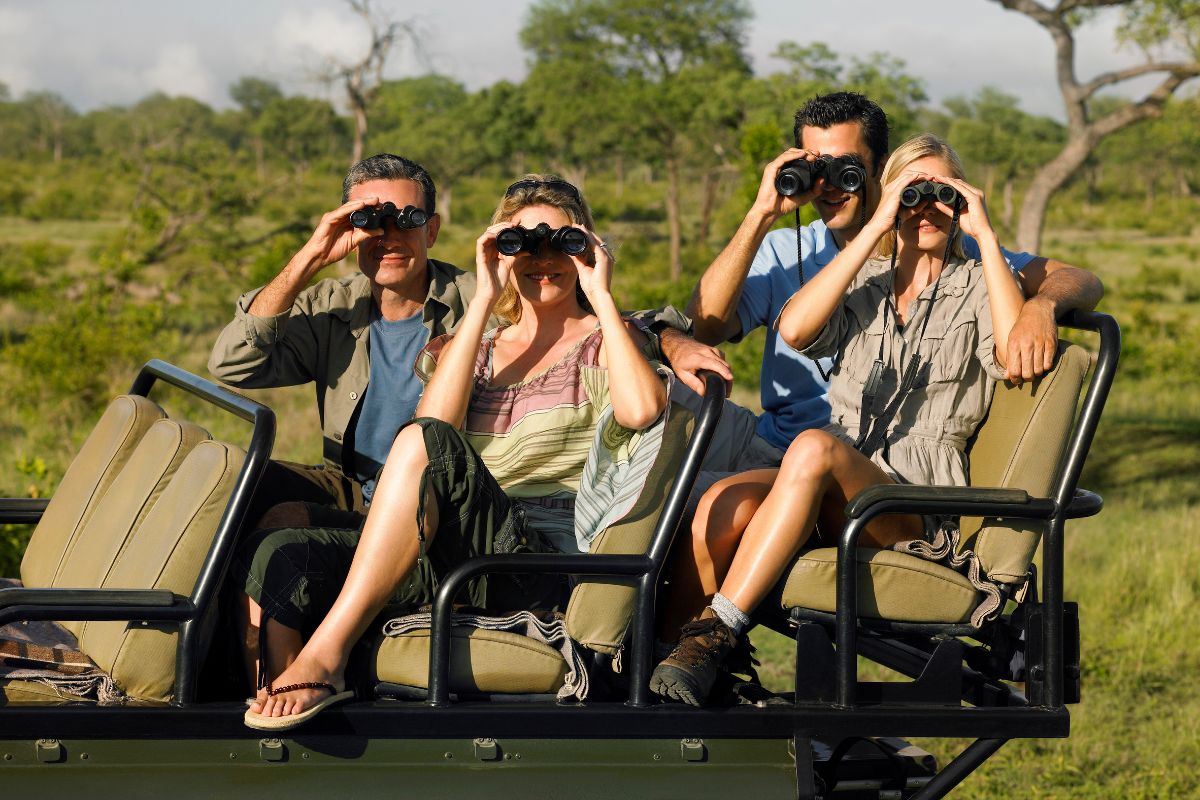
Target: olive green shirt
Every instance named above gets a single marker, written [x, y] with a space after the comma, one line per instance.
[324, 339]
[927, 438]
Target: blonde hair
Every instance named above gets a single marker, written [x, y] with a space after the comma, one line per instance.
[540, 192]
[921, 146]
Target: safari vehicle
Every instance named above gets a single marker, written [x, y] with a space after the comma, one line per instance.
[131, 550]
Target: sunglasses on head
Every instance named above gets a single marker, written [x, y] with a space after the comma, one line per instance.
[556, 185]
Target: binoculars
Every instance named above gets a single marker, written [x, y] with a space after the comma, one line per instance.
[941, 192]
[571, 241]
[375, 216]
[842, 172]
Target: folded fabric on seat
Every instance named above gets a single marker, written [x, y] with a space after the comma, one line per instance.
[543, 627]
[46, 652]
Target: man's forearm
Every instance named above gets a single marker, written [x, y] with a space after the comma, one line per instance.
[713, 306]
[278, 296]
[1067, 288]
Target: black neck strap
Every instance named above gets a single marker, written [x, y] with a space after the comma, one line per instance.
[872, 430]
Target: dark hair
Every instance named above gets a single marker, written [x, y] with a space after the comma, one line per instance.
[388, 167]
[827, 110]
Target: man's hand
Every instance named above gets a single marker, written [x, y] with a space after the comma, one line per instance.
[687, 357]
[1032, 342]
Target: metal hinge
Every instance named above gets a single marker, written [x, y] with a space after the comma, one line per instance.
[271, 750]
[487, 749]
[49, 751]
[693, 750]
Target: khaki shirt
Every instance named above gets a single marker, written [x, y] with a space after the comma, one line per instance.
[324, 339]
[927, 437]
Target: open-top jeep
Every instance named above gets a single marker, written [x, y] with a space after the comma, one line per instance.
[131, 551]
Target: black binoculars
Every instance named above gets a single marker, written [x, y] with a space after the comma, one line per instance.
[941, 192]
[842, 172]
[571, 241]
[375, 216]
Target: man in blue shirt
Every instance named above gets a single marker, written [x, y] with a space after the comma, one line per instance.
[747, 284]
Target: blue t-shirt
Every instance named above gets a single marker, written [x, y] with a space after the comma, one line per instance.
[392, 393]
[794, 396]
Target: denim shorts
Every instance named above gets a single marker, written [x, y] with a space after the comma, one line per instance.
[295, 574]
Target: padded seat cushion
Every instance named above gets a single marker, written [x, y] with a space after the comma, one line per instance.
[34, 693]
[480, 661]
[92, 471]
[891, 585]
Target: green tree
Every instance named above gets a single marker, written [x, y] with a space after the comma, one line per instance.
[647, 66]
[1167, 32]
[435, 121]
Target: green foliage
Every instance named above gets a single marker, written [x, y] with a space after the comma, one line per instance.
[83, 351]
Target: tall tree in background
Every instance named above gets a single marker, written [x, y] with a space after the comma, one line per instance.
[1168, 34]
[667, 56]
[361, 79]
[253, 95]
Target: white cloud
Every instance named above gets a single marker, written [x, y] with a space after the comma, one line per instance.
[17, 51]
[306, 39]
[179, 70]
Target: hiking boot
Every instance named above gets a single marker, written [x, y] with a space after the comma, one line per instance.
[688, 674]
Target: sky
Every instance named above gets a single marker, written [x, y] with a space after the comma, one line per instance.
[117, 51]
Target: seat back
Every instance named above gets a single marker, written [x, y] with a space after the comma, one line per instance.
[105, 535]
[1020, 445]
[166, 551]
[600, 607]
[99, 461]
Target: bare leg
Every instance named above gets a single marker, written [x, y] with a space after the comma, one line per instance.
[386, 553]
[283, 644]
[818, 475]
[698, 566]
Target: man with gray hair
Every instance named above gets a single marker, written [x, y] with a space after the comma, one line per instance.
[356, 338]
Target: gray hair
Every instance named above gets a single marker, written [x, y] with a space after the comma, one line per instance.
[388, 167]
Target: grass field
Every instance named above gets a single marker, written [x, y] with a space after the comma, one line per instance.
[1135, 569]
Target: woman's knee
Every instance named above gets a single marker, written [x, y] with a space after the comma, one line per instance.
[812, 454]
[724, 512]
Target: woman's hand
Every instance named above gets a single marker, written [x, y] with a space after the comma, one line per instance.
[884, 218]
[973, 215]
[595, 269]
[492, 269]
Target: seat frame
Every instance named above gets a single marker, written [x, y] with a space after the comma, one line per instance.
[158, 606]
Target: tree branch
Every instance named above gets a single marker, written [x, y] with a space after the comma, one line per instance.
[1188, 69]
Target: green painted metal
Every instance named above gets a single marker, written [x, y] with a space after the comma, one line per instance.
[319, 767]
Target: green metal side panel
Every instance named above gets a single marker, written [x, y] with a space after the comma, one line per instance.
[334, 766]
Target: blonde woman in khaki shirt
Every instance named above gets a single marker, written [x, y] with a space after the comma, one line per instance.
[953, 315]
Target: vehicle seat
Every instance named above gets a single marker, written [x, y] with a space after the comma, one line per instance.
[1019, 445]
[597, 615]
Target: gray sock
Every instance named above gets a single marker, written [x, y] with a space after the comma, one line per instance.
[730, 614]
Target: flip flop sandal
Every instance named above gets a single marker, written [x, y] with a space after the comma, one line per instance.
[264, 723]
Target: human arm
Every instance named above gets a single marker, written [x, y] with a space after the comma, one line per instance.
[714, 302]
[1005, 299]
[332, 241]
[808, 311]
[636, 391]
[448, 392]
[1053, 288]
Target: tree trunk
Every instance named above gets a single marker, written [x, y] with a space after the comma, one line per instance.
[673, 222]
[1045, 183]
[360, 133]
[712, 181]
[1008, 201]
[1151, 188]
[1183, 187]
[444, 203]
[260, 166]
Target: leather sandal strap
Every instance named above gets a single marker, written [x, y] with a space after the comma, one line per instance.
[329, 687]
